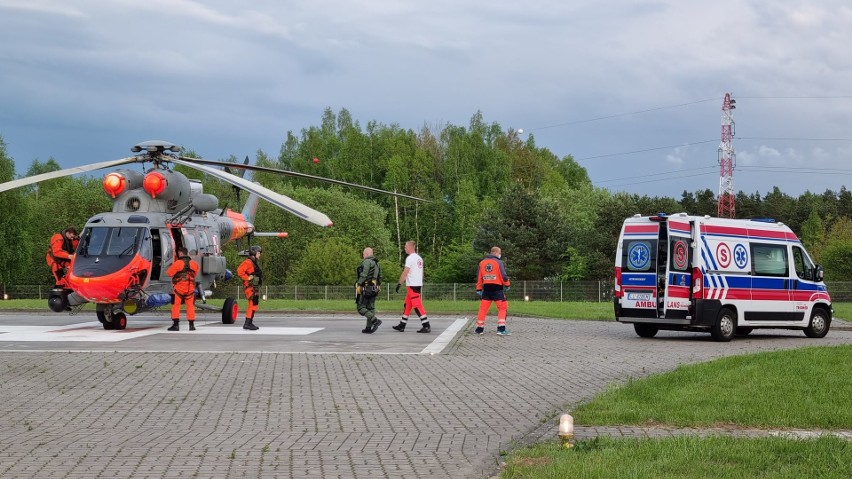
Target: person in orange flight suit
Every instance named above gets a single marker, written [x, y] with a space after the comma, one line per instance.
[252, 276]
[491, 284]
[59, 255]
[183, 272]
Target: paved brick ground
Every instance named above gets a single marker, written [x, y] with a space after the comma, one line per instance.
[164, 415]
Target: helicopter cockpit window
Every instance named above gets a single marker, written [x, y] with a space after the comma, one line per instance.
[92, 241]
[123, 241]
[116, 241]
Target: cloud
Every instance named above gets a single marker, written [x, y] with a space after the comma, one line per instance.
[59, 8]
[232, 77]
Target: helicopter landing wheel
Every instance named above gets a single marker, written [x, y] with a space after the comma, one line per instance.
[102, 318]
[119, 320]
[230, 311]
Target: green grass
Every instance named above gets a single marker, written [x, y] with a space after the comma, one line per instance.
[572, 310]
[802, 388]
[685, 457]
[842, 310]
[807, 388]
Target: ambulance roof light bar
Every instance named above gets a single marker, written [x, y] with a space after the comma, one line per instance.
[659, 217]
[764, 220]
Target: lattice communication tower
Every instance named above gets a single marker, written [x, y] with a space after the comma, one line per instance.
[727, 160]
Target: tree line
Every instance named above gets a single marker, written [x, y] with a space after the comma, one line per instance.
[484, 186]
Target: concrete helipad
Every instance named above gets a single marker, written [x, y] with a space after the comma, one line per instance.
[309, 395]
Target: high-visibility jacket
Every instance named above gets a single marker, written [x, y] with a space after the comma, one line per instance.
[492, 272]
[183, 272]
[61, 249]
[247, 268]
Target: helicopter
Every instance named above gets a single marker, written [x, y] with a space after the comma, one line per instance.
[121, 260]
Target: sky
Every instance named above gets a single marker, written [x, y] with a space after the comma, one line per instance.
[632, 90]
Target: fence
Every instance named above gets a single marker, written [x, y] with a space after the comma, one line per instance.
[532, 290]
[559, 291]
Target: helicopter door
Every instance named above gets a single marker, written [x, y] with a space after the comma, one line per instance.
[157, 259]
[162, 251]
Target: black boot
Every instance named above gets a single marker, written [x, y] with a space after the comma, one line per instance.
[399, 327]
[175, 325]
[249, 324]
[375, 326]
[192, 325]
[425, 328]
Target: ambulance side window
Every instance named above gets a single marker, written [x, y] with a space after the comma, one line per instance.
[769, 259]
[803, 265]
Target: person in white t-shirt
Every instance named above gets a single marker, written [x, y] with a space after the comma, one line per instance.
[412, 274]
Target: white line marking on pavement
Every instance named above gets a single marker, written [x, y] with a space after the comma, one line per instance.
[444, 339]
[94, 332]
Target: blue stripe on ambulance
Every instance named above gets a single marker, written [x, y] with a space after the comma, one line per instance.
[768, 283]
[638, 279]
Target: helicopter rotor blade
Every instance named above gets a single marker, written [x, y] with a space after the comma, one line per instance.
[29, 180]
[302, 175]
[277, 199]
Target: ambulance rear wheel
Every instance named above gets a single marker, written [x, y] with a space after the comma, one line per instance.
[230, 311]
[645, 330]
[820, 322]
[725, 327]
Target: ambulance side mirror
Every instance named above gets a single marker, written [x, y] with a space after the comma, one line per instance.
[818, 273]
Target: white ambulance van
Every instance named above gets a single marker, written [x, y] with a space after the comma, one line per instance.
[722, 276]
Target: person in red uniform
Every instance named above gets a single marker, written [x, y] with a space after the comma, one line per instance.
[491, 284]
[62, 248]
[183, 272]
[252, 276]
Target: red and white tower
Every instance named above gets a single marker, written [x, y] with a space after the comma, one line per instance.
[727, 160]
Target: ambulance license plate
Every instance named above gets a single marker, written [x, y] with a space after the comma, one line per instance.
[639, 297]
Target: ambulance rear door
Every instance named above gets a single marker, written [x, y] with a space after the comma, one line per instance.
[638, 268]
[678, 270]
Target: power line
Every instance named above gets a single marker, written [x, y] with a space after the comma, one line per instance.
[797, 171]
[749, 138]
[668, 107]
[789, 138]
[658, 174]
[589, 120]
[645, 150]
[785, 169]
[827, 97]
[660, 179]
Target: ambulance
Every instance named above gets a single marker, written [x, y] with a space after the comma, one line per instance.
[717, 275]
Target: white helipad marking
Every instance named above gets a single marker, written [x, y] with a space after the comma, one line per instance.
[94, 332]
[283, 331]
[441, 341]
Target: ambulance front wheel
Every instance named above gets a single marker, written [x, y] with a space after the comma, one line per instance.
[645, 330]
[820, 322]
[725, 327]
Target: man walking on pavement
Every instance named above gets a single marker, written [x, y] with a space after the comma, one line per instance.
[491, 284]
[412, 274]
[367, 288]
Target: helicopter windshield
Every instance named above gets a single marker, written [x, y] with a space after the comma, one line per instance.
[106, 249]
[114, 241]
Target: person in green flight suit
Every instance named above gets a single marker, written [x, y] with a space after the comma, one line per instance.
[367, 288]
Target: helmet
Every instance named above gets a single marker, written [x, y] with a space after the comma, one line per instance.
[254, 250]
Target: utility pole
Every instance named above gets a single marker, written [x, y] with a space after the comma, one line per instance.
[727, 160]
